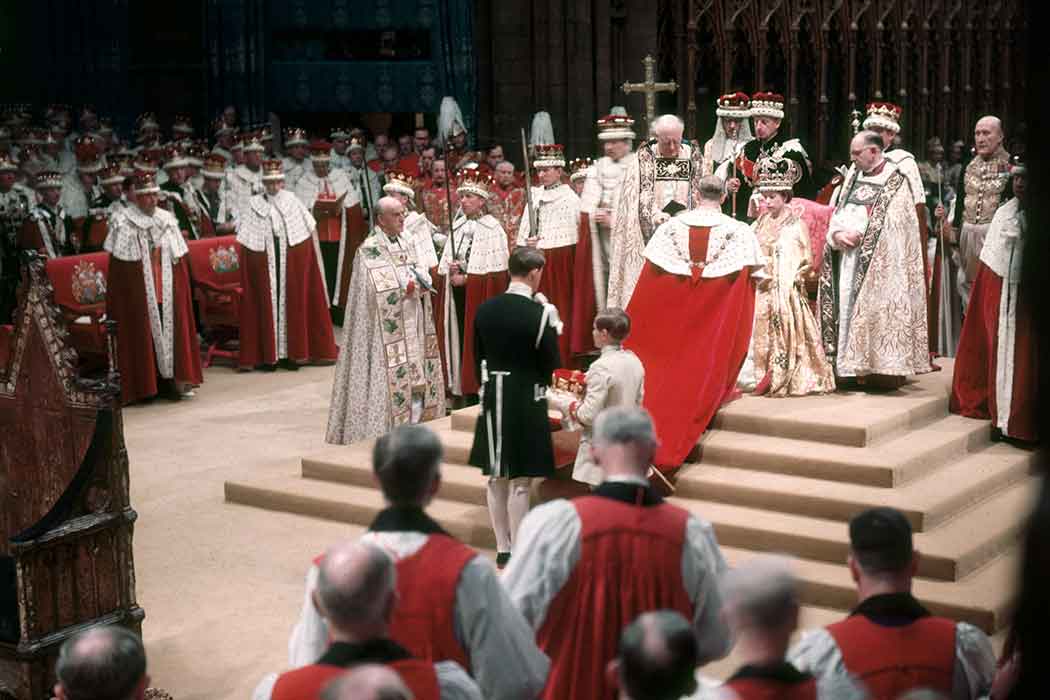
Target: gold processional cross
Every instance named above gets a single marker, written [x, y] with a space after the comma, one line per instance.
[650, 87]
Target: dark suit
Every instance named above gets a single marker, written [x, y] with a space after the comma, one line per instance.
[505, 332]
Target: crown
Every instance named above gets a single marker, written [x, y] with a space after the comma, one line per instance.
[214, 166]
[320, 151]
[272, 170]
[295, 137]
[220, 127]
[613, 127]
[251, 142]
[883, 115]
[733, 105]
[767, 104]
[105, 125]
[356, 144]
[777, 174]
[401, 182]
[1017, 165]
[147, 120]
[473, 181]
[144, 163]
[111, 175]
[7, 164]
[145, 183]
[173, 158]
[338, 132]
[183, 124]
[578, 168]
[548, 155]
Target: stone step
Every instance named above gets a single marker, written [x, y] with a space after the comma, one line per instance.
[949, 552]
[927, 501]
[980, 598]
[893, 462]
[855, 419]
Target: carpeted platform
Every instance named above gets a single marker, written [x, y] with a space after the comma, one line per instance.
[779, 475]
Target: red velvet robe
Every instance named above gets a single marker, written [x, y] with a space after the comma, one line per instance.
[136, 355]
[480, 288]
[692, 335]
[973, 385]
[309, 326]
[585, 300]
[306, 683]
[557, 284]
[607, 590]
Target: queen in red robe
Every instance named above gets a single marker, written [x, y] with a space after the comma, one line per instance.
[692, 312]
[149, 298]
[995, 369]
[284, 307]
[551, 224]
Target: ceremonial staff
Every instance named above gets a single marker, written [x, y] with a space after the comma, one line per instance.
[368, 197]
[734, 191]
[448, 205]
[534, 220]
[940, 231]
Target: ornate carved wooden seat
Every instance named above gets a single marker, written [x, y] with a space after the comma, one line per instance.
[65, 520]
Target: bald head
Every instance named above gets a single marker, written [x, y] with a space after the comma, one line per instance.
[101, 663]
[355, 587]
[988, 135]
[658, 657]
[367, 682]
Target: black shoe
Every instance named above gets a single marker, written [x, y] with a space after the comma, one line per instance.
[266, 368]
[290, 365]
[168, 391]
[501, 560]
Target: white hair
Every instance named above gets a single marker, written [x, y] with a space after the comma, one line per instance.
[762, 591]
[668, 122]
[386, 204]
[993, 119]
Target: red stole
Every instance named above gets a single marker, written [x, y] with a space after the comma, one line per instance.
[426, 590]
[974, 383]
[630, 563]
[691, 334]
[766, 689]
[891, 660]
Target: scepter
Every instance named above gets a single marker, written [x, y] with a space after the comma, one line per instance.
[448, 204]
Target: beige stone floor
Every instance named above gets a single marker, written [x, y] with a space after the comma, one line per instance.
[221, 584]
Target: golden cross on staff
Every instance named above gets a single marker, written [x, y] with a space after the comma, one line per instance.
[650, 87]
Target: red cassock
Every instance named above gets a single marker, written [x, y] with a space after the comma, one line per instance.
[306, 683]
[585, 301]
[974, 383]
[692, 335]
[309, 326]
[557, 284]
[768, 689]
[356, 233]
[893, 660]
[480, 288]
[609, 588]
[136, 356]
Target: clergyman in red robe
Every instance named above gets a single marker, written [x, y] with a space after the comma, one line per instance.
[693, 309]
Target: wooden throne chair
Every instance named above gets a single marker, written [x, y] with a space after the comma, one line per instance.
[66, 523]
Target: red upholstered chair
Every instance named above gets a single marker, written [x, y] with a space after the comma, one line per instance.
[216, 274]
[80, 285]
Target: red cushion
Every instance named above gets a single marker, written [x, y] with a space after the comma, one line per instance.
[80, 282]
